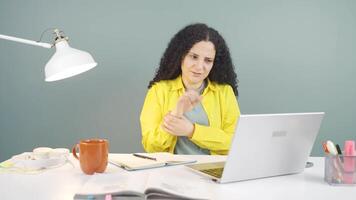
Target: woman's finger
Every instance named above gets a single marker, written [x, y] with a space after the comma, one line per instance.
[194, 97]
[166, 127]
[169, 118]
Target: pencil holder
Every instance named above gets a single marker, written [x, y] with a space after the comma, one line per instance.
[340, 170]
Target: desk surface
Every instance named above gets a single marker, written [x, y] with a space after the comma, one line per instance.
[63, 182]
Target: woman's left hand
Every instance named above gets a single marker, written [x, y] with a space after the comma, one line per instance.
[178, 126]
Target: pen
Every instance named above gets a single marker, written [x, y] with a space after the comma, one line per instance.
[349, 161]
[331, 148]
[339, 152]
[325, 148]
[143, 156]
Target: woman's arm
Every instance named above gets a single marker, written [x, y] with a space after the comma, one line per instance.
[154, 138]
[218, 140]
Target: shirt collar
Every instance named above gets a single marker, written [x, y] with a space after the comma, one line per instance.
[178, 84]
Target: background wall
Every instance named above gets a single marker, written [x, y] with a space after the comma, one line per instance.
[290, 56]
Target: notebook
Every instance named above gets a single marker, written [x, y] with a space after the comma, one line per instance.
[167, 183]
[266, 145]
[138, 161]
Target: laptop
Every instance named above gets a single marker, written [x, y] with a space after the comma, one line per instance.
[266, 145]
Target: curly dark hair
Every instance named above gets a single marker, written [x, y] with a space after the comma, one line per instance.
[222, 71]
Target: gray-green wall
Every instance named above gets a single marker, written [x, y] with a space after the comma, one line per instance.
[290, 56]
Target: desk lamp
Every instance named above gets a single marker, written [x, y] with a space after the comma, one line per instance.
[66, 61]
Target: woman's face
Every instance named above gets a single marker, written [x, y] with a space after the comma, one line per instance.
[197, 63]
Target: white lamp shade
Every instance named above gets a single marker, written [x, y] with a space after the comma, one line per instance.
[67, 62]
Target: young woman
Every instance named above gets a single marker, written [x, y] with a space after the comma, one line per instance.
[191, 106]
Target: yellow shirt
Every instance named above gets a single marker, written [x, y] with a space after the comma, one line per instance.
[219, 103]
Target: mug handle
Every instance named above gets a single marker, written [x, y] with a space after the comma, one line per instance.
[75, 152]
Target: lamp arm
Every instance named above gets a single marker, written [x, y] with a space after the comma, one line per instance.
[31, 42]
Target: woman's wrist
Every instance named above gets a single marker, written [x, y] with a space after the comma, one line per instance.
[191, 132]
[176, 112]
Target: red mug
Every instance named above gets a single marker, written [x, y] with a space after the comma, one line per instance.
[93, 155]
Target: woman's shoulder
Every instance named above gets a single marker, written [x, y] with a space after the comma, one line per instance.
[164, 85]
[221, 87]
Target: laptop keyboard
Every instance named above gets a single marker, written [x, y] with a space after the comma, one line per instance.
[216, 172]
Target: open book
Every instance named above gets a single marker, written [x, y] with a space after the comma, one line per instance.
[138, 161]
[166, 183]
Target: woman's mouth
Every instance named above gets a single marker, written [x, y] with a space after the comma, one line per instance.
[196, 74]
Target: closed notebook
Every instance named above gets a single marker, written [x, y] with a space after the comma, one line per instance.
[132, 162]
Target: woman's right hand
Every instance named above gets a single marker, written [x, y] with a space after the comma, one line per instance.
[186, 102]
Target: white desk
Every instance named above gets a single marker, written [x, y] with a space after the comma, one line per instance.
[63, 182]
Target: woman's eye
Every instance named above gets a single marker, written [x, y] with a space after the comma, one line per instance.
[209, 61]
[194, 56]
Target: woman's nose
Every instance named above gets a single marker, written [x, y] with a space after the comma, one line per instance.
[199, 64]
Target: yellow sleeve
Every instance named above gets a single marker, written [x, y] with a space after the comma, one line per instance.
[154, 138]
[218, 140]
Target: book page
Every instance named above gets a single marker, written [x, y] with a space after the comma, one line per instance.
[119, 184]
[131, 162]
[169, 158]
[174, 183]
